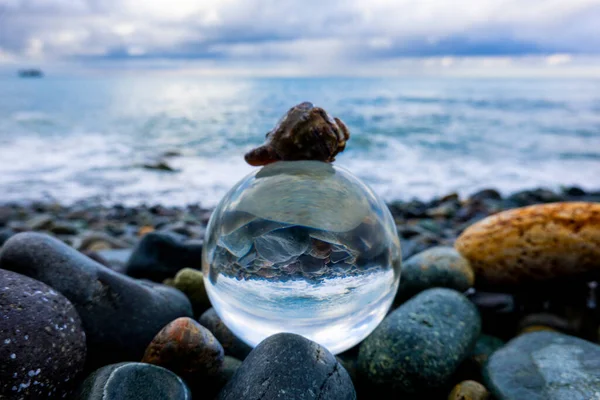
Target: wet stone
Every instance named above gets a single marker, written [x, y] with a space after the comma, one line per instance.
[436, 267]
[186, 348]
[550, 365]
[133, 381]
[289, 366]
[160, 255]
[418, 347]
[120, 315]
[42, 343]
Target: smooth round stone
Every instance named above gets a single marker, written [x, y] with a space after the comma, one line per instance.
[469, 390]
[120, 315]
[544, 365]
[534, 243]
[288, 366]
[133, 381]
[302, 247]
[42, 343]
[418, 346]
[186, 348]
[435, 267]
[161, 255]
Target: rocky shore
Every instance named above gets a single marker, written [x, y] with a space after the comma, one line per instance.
[107, 302]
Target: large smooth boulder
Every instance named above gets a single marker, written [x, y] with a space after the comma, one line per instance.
[120, 315]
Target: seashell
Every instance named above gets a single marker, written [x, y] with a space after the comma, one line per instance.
[306, 132]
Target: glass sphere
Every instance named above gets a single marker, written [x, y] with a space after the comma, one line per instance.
[302, 247]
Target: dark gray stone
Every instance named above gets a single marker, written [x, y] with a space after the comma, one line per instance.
[42, 343]
[120, 315]
[419, 346]
[439, 266]
[544, 365]
[133, 381]
[159, 256]
[288, 366]
[232, 345]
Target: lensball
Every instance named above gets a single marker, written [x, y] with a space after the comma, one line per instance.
[303, 247]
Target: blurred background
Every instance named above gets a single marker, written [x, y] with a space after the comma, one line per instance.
[123, 101]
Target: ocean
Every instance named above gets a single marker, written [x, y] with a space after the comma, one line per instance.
[66, 139]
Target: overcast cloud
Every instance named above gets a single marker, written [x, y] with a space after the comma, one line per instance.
[284, 35]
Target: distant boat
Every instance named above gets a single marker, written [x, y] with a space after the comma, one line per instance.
[30, 73]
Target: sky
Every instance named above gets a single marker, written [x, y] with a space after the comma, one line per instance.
[324, 37]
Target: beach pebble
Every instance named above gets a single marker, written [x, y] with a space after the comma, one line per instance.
[40, 222]
[534, 243]
[133, 381]
[96, 241]
[288, 366]
[120, 315]
[42, 343]
[191, 282]
[161, 255]
[233, 345]
[439, 266]
[419, 345]
[186, 348]
[544, 365]
[469, 390]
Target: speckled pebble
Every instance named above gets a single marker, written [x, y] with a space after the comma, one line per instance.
[42, 343]
[544, 365]
[420, 345]
[439, 266]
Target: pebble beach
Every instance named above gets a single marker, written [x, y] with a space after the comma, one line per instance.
[108, 302]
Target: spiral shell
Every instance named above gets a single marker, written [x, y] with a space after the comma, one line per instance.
[305, 132]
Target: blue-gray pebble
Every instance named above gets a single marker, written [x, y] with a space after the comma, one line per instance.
[120, 315]
[439, 266]
[419, 345]
[544, 365]
[289, 366]
[133, 381]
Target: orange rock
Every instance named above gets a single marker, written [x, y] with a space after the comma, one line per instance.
[534, 243]
[145, 229]
[186, 348]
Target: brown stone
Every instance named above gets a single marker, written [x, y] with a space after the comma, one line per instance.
[186, 348]
[534, 243]
[469, 390]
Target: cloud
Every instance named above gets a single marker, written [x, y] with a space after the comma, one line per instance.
[312, 33]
